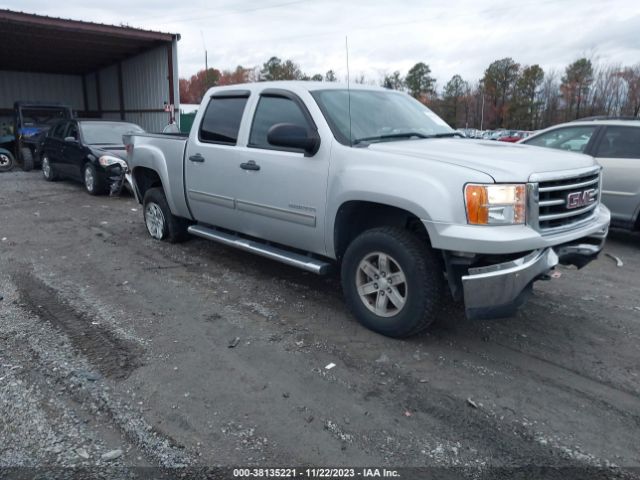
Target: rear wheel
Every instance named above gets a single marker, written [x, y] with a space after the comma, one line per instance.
[47, 169]
[160, 222]
[392, 281]
[27, 159]
[6, 160]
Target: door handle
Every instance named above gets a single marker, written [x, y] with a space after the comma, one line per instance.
[196, 158]
[250, 165]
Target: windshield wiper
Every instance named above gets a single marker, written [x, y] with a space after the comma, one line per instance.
[390, 136]
[445, 135]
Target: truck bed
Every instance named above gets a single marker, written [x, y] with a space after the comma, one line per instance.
[163, 153]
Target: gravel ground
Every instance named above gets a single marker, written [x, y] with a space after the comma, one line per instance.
[119, 351]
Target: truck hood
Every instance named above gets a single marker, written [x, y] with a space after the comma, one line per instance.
[504, 162]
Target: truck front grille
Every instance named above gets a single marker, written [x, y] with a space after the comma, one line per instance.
[566, 202]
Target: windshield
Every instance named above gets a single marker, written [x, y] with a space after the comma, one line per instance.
[107, 133]
[377, 116]
[40, 116]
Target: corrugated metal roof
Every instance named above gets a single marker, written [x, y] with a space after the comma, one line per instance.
[54, 45]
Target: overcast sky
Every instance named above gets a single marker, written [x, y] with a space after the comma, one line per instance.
[450, 36]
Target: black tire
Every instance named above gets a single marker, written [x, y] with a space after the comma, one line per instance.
[26, 155]
[156, 209]
[424, 281]
[48, 171]
[6, 160]
[93, 184]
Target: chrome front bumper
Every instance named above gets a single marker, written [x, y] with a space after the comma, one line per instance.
[498, 290]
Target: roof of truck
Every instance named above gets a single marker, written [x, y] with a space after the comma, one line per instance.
[297, 85]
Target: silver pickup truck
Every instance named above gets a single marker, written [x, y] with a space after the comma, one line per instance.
[319, 175]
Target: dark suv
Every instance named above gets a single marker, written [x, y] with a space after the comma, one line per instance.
[31, 122]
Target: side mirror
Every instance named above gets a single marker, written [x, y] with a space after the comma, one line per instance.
[70, 140]
[293, 136]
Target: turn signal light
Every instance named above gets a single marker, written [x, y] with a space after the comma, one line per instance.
[497, 204]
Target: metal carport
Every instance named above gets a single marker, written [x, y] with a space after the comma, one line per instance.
[114, 72]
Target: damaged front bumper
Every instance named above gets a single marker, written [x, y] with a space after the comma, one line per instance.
[498, 290]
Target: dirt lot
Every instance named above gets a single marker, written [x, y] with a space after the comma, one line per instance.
[116, 349]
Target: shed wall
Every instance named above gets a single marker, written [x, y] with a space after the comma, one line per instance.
[45, 87]
[145, 88]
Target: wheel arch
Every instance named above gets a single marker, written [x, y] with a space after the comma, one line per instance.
[145, 178]
[356, 216]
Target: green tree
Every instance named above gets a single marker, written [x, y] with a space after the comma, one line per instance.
[575, 85]
[499, 81]
[419, 81]
[330, 76]
[317, 78]
[393, 81]
[526, 102]
[453, 93]
[276, 69]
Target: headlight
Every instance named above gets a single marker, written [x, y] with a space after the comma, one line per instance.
[495, 204]
[108, 160]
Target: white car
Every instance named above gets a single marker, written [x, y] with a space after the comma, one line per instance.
[615, 143]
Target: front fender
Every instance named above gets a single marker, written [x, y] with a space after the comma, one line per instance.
[431, 191]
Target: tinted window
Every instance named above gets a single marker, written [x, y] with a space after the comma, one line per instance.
[573, 139]
[221, 120]
[34, 116]
[72, 131]
[271, 111]
[107, 133]
[58, 130]
[620, 142]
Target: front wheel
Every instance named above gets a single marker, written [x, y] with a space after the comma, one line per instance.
[160, 222]
[392, 281]
[6, 160]
[93, 184]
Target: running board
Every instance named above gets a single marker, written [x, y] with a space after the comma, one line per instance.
[304, 262]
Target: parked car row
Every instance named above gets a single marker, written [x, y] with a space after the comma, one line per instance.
[502, 135]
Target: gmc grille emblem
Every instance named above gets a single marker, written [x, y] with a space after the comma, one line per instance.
[581, 199]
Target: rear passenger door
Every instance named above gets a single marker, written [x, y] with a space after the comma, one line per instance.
[212, 161]
[54, 144]
[72, 152]
[618, 151]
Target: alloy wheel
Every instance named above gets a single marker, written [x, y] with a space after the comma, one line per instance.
[154, 219]
[381, 284]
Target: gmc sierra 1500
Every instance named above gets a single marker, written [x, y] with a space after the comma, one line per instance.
[370, 180]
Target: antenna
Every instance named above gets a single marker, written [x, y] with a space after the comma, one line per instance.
[346, 44]
[206, 63]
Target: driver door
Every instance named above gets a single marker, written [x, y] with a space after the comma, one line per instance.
[281, 192]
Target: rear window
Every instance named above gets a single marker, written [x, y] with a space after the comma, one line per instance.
[221, 120]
